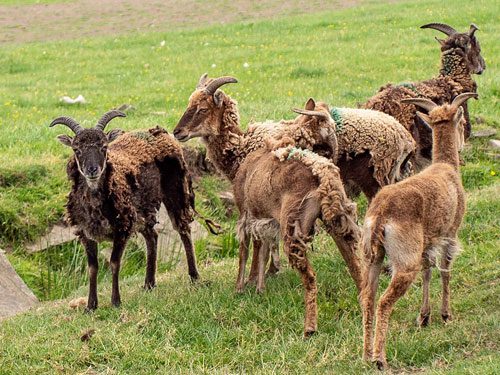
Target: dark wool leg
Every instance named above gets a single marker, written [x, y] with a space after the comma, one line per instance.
[367, 300]
[263, 259]
[119, 243]
[445, 279]
[151, 238]
[185, 233]
[425, 311]
[93, 267]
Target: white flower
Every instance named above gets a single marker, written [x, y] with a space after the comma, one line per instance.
[213, 65]
[162, 43]
[246, 65]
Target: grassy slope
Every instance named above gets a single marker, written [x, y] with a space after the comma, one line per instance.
[341, 58]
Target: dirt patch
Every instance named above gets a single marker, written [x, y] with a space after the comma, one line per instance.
[86, 18]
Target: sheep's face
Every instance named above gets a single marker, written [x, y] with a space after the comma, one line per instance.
[447, 118]
[202, 117]
[90, 147]
[471, 49]
[319, 126]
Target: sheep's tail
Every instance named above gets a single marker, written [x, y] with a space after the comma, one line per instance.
[373, 238]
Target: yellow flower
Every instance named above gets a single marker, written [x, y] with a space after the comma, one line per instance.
[493, 173]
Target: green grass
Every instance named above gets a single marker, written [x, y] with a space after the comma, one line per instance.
[341, 58]
[30, 2]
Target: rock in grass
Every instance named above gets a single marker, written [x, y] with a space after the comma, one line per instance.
[495, 144]
[15, 296]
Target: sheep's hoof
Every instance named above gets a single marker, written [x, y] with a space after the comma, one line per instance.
[240, 289]
[308, 333]
[367, 356]
[202, 283]
[116, 303]
[381, 365]
[90, 310]
[194, 277]
[423, 320]
[251, 280]
[149, 286]
[446, 318]
[260, 290]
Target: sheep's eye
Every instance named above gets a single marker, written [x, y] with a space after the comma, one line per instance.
[202, 110]
[77, 152]
[104, 148]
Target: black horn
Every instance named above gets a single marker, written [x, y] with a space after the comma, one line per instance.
[473, 29]
[218, 82]
[107, 117]
[69, 122]
[448, 30]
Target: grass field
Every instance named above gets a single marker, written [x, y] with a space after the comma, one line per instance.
[338, 57]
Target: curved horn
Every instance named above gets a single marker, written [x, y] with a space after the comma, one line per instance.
[310, 113]
[448, 30]
[460, 99]
[107, 117]
[426, 104]
[202, 81]
[472, 29]
[69, 122]
[218, 82]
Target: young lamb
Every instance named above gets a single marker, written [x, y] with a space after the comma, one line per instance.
[118, 184]
[460, 58]
[415, 221]
[284, 192]
[213, 116]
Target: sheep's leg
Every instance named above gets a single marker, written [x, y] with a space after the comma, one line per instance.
[185, 233]
[151, 238]
[445, 279]
[119, 243]
[425, 311]
[254, 267]
[398, 286]
[367, 299]
[243, 256]
[296, 250]
[93, 267]
[263, 258]
[274, 265]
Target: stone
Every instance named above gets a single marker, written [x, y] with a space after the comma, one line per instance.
[485, 133]
[15, 296]
[58, 234]
[494, 143]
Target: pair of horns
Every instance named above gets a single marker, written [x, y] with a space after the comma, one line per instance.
[77, 128]
[429, 105]
[448, 30]
[213, 86]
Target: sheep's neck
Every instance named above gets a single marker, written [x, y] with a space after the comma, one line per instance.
[454, 66]
[224, 150]
[444, 147]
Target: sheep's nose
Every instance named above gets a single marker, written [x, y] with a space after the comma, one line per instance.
[92, 171]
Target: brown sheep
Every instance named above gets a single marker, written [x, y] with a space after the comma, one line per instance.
[213, 116]
[413, 222]
[460, 58]
[118, 183]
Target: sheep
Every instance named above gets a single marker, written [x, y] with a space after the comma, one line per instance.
[213, 116]
[414, 222]
[118, 184]
[460, 58]
[285, 191]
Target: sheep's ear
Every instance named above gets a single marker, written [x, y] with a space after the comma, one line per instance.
[218, 98]
[426, 120]
[440, 41]
[113, 134]
[310, 104]
[65, 139]
[458, 115]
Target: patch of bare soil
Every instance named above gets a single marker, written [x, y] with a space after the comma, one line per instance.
[87, 18]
